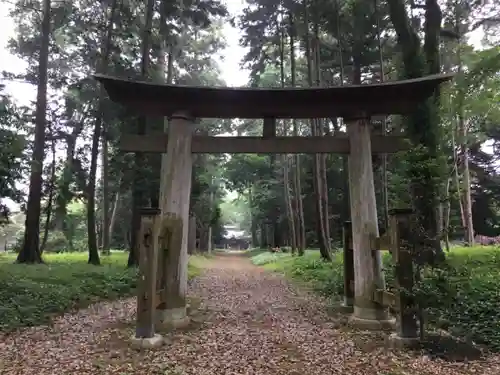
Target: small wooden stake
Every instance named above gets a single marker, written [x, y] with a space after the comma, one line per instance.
[401, 228]
[348, 266]
[146, 285]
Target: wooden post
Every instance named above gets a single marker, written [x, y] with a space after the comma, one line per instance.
[367, 264]
[401, 227]
[164, 239]
[348, 268]
[146, 285]
[175, 194]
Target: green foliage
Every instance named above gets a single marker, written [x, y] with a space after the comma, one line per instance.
[32, 294]
[266, 258]
[12, 144]
[462, 298]
[323, 277]
[465, 296]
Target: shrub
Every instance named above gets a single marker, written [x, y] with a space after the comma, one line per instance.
[267, 257]
[32, 294]
[463, 297]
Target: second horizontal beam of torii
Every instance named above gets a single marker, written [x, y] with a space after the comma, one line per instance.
[157, 143]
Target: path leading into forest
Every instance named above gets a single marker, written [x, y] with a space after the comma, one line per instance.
[245, 321]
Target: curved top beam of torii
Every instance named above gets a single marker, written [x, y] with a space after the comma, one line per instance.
[393, 97]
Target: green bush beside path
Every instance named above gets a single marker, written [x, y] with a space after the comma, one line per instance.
[33, 294]
[463, 299]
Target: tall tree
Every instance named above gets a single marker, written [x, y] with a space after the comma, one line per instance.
[424, 169]
[139, 185]
[30, 252]
[323, 240]
[297, 186]
[91, 217]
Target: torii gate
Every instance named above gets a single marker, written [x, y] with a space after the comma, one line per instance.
[356, 104]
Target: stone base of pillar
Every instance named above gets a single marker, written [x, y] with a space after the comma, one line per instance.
[399, 342]
[347, 306]
[371, 319]
[146, 343]
[173, 318]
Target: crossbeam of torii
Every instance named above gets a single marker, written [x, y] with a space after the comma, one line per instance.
[356, 104]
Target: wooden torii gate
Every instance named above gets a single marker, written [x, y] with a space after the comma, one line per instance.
[356, 104]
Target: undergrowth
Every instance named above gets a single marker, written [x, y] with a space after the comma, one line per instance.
[463, 298]
[33, 294]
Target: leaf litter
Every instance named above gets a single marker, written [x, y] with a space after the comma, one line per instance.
[246, 322]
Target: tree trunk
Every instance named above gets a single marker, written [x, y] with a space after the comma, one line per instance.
[164, 157]
[467, 205]
[30, 252]
[63, 195]
[191, 244]
[286, 176]
[112, 220]
[446, 216]
[456, 178]
[105, 191]
[346, 208]
[322, 158]
[253, 231]
[139, 189]
[210, 224]
[385, 193]
[263, 235]
[289, 208]
[91, 217]
[298, 206]
[320, 222]
[423, 124]
[464, 150]
[254, 225]
[50, 198]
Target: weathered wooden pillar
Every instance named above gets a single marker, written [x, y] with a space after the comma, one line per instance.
[348, 303]
[146, 285]
[367, 262]
[401, 227]
[175, 191]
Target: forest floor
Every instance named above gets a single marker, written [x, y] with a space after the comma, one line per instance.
[245, 321]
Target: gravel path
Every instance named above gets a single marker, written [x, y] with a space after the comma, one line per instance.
[246, 321]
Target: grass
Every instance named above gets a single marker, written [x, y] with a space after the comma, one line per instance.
[255, 251]
[33, 294]
[463, 298]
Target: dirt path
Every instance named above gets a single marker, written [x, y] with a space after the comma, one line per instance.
[246, 321]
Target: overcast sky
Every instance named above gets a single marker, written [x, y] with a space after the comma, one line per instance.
[24, 93]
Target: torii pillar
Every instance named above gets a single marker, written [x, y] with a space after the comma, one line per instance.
[175, 191]
[368, 274]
